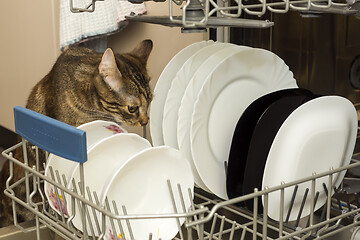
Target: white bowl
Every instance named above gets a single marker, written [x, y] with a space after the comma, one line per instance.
[95, 132]
[141, 185]
[104, 159]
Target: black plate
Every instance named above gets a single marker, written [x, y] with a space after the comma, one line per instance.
[262, 139]
[242, 136]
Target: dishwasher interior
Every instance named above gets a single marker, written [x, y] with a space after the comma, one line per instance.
[321, 48]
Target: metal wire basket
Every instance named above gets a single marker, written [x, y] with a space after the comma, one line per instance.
[198, 15]
[207, 218]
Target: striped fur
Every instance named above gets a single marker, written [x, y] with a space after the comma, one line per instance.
[76, 91]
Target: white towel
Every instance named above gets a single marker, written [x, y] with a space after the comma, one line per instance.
[108, 17]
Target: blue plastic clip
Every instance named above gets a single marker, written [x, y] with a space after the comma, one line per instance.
[51, 135]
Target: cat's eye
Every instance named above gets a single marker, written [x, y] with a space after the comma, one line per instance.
[133, 109]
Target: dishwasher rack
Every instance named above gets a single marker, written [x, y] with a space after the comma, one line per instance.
[207, 218]
[201, 14]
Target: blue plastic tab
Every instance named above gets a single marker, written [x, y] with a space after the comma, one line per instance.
[51, 135]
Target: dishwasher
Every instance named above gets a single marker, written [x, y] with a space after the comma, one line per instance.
[208, 216]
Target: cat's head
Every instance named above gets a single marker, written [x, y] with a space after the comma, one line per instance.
[123, 84]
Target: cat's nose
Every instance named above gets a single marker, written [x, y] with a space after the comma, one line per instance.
[144, 121]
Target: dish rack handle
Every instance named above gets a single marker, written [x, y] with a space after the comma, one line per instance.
[51, 135]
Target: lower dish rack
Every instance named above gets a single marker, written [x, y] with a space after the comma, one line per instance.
[207, 218]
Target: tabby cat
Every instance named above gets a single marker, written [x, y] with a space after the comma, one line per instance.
[83, 86]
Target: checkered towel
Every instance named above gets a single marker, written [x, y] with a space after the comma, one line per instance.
[108, 17]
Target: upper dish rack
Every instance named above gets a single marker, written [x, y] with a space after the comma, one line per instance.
[200, 14]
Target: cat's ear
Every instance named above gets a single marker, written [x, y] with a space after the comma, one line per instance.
[109, 71]
[143, 50]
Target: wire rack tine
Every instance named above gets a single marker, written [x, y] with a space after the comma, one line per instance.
[291, 203]
[232, 230]
[34, 191]
[85, 215]
[337, 197]
[128, 223]
[212, 230]
[174, 207]
[68, 221]
[88, 216]
[95, 216]
[255, 214]
[327, 205]
[10, 191]
[301, 208]
[118, 220]
[82, 193]
[112, 224]
[26, 161]
[182, 201]
[64, 181]
[38, 178]
[98, 203]
[221, 228]
[281, 210]
[265, 206]
[313, 198]
[323, 212]
[35, 205]
[61, 210]
[76, 202]
[243, 233]
[73, 207]
[309, 222]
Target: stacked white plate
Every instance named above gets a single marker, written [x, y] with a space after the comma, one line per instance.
[125, 169]
[200, 96]
[96, 131]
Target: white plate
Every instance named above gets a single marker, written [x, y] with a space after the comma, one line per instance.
[141, 186]
[317, 136]
[95, 132]
[162, 87]
[98, 130]
[231, 87]
[177, 90]
[104, 159]
[189, 97]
